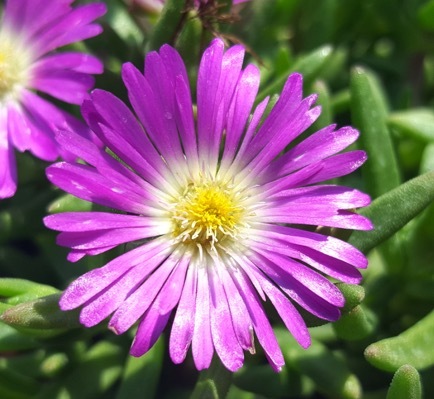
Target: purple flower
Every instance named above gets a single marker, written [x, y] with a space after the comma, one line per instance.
[30, 31]
[214, 203]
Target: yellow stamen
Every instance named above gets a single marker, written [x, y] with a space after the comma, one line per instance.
[15, 64]
[206, 214]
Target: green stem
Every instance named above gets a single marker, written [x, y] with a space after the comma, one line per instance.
[169, 25]
[213, 383]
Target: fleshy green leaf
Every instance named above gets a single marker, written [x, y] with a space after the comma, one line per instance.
[142, 374]
[99, 369]
[309, 65]
[14, 385]
[417, 123]
[426, 15]
[13, 340]
[326, 117]
[69, 203]
[405, 384]
[413, 346]
[394, 210]
[10, 287]
[328, 371]
[356, 324]
[263, 380]
[353, 293]
[214, 382]
[41, 314]
[427, 161]
[369, 113]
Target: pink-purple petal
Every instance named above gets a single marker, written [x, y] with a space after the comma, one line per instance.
[95, 281]
[262, 327]
[109, 299]
[241, 320]
[74, 61]
[150, 328]
[8, 173]
[288, 313]
[142, 298]
[223, 335]
[183, 323]
[202, 344]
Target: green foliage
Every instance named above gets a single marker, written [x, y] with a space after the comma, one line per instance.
[405, 384]
[413, 347]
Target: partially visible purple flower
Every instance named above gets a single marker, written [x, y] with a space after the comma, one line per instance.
[216, 203]
[30, 32]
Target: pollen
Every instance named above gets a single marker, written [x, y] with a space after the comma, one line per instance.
[15, 64]
[207, 215]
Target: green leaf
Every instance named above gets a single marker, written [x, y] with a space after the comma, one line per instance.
[10, 287]
[417, 123]
[393, 210]
[142, 374]
[369, 112]
[214, 382]
[263, 380]
[353, 293]
[91, 377]
[309, 66]
[427, 161]
[13, 340]
[413, 346]
[188, 45]
[54, 364]
[356, 324]
[169, 23]
[119, 19]
[40, 314]
[426, 16]
[406, 384]
[14, 385]
[328, 371]
[340, 101]
[69, 203]
[326, 117]
[236, 393]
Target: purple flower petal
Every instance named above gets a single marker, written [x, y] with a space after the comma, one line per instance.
[321, 145]
[150, 329]
[262, 327]
[78, 62]
[121, 133]
[183, 323]
[240, 317]
[202, 344]
[8, 173]
[239, 112]
[69, 86]
[140, 300]
[109, 299]
[83, 182]
[97, 280]
[154, 122]
[71, 27]
[223, 335]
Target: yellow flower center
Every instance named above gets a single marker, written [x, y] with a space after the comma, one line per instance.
[207, 214]
[15, 64]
